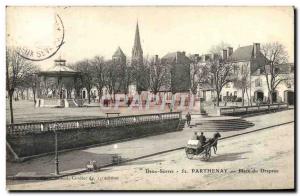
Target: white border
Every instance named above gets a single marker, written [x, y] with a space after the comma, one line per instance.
[4, 3]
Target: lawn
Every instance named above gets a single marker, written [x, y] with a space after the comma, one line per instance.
[24, 111]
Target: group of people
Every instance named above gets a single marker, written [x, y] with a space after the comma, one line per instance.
[201, 138]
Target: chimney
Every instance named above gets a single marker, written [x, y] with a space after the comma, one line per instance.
[230, 51]
[156, 59]
[183, 53]
[256, 49]
[224, 54]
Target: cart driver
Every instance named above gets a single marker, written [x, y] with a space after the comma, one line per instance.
[202, 139]
[195, 136]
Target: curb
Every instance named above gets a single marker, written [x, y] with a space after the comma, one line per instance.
[52, 177]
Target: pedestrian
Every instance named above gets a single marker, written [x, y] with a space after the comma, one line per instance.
[188, 118]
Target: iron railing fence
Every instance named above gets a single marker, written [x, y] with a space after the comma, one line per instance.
[39, 127]
[249, 109]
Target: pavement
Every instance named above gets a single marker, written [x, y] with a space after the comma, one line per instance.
[77, 159]
[246, 162]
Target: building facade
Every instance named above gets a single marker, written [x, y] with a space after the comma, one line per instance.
[248, 66]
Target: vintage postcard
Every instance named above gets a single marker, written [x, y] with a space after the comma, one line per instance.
[150, 98]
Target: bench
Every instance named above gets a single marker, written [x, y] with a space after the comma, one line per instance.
[108, 113]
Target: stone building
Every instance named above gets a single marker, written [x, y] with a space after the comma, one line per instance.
[249, 62]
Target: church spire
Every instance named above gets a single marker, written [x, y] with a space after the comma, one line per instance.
[137, 51]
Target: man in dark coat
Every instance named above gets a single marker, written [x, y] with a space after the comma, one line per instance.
[202, 139]
[188, 118]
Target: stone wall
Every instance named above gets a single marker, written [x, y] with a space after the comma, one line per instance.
[38, 143]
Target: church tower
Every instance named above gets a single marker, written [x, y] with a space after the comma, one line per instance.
[137, 51]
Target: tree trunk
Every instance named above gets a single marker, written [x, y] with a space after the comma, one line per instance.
[100, 95]
[243, 96]
[27, 94]
[89, 95]
[270, 97]
[249, 101]
[10, 94]
[218, 95]
[34, 99]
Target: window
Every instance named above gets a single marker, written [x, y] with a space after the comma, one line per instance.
[235, 93]
[227, 85]
[257, 82]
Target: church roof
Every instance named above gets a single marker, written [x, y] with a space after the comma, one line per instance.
[137, 42]
[119, 53]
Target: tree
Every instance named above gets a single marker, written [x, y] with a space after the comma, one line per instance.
[32, 81]
[220, 73]
[112, 78]
[242, 82]
[99, 74]
[128, 79]
[159, 76]
[199, 75]
[276, 56]
[220, 69]
[86, 75]
[17, 70]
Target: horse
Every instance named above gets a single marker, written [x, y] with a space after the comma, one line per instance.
[214, 141]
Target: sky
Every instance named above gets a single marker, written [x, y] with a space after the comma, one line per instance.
[91, 31]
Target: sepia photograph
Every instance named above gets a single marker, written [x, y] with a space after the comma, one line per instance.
[150, 98]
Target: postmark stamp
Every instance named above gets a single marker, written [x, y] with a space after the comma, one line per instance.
[38, 53]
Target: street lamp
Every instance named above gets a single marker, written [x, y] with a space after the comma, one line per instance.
[56, 153]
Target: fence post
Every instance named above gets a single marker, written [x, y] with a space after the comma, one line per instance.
[180, 115]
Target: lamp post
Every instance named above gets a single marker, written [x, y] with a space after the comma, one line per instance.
[56, 154]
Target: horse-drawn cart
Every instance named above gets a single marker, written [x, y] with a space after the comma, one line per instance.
[194, 148]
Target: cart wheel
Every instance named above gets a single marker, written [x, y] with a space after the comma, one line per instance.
[189, 153]
[189, 156]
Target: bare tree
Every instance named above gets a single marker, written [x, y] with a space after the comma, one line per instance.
[199, 75]
[218, 48]
[276, 56]
[99, 74]
[86, 75]
[112, 78]
[221, 74]
[159, 76]
[242, 82]
[17, 71]
[31, 81]
[128, 79]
